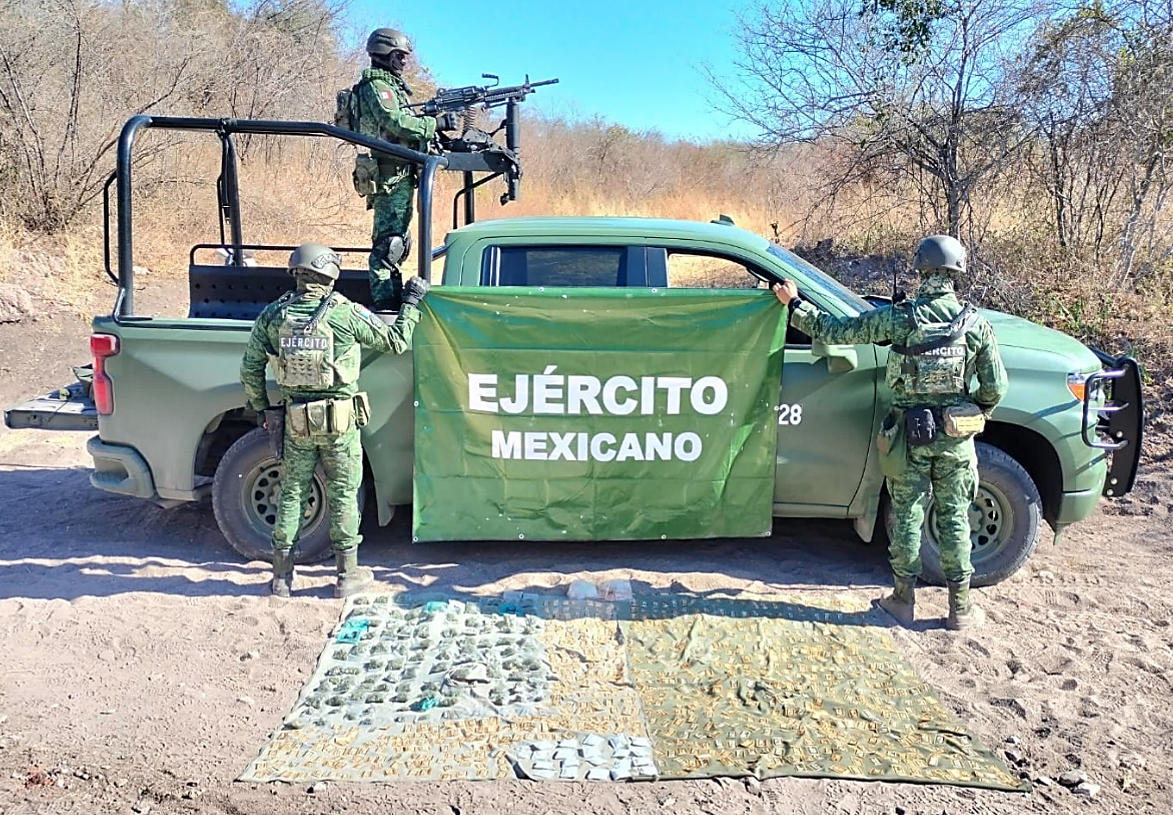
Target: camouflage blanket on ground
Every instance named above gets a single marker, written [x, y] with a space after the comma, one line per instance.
[664, 686]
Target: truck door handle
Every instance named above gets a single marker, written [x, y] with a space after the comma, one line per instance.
[840, 358]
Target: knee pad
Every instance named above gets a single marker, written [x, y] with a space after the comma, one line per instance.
[394, 248]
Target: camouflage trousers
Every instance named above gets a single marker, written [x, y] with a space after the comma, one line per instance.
[393, 208]
[946, 472]
[341, 457]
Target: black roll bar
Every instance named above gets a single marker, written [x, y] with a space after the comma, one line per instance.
[106, 224]
[230, 194]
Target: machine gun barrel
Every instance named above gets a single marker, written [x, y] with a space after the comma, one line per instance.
[455, 99]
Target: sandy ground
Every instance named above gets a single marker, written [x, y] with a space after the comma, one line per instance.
[143, 666]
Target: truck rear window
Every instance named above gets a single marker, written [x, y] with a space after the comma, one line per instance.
[561, 266]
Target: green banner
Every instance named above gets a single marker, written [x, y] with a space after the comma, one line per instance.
[595, 414]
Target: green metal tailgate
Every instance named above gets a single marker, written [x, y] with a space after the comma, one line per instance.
[69, 408]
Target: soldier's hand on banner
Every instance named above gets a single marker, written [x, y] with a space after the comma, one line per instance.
[785, 291]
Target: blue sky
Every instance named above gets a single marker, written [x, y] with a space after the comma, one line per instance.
[636, 62]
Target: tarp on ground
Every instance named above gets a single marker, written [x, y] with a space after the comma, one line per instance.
[670, 686]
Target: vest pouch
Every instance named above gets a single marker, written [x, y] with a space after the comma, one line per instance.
[318, 416]
[296, 421]
[963, 421]
[365, 175]
[362, 410]
[893, 446]
[920, 425]
[341, 412]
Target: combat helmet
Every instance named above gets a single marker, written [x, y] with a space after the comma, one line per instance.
[316, 258]
[939, 252]
[385, 41]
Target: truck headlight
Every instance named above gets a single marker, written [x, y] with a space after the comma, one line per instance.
[1077, 384]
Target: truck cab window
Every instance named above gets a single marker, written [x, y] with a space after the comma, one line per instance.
[557, 266]
[697, 270]
[688, 270]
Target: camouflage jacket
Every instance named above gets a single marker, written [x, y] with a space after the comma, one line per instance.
[897, 324]
[383, 114]
[352, 325]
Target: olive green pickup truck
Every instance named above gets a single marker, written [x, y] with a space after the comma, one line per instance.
[172, 425]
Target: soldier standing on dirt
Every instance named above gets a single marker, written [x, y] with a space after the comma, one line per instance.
[926, 441]
[379, 109]
[314, 338]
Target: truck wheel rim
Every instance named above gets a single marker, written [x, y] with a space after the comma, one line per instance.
[990, 522]
[264, 497]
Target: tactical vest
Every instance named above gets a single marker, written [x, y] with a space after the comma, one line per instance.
[345, 110]
[307, 358]
[346, 113]
[348, 109]
[371, 171]
[933, 360]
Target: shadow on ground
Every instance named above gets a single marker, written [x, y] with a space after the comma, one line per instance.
[62, 539]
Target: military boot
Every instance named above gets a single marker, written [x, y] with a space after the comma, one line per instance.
[901, 603]
[352, 578]
[282, 583]
[963, 612]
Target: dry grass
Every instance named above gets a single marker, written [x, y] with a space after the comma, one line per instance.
[298, 190]
[293, 192]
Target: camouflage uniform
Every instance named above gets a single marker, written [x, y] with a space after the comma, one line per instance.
[353, 327]
[383, 114]
[947, 467]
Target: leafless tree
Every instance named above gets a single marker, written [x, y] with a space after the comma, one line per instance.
[73, 71]
[64, 66]
[909, 95]
[1098, 88]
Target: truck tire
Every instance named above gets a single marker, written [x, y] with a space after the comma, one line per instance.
[1005, 521]
[245, 495]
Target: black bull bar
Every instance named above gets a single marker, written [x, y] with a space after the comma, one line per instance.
[1119, 427]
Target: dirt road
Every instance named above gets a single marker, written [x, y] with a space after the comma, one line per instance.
[144, 667]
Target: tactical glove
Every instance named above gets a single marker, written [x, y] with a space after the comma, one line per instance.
[447, 122]
[414, 291]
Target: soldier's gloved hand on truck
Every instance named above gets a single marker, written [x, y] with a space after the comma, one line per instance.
[414, 291]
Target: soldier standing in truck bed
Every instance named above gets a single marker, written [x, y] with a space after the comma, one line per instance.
[378, 107]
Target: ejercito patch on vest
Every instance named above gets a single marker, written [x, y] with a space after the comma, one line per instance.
[947, 351]
[307, 343]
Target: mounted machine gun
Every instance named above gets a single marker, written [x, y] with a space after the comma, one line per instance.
[475, 149]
